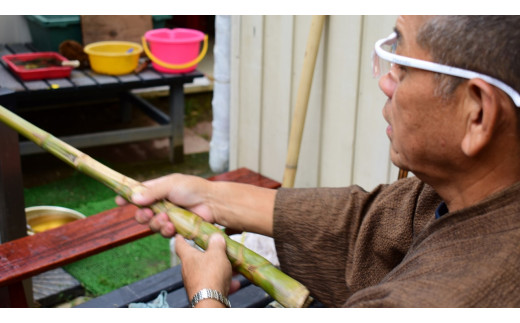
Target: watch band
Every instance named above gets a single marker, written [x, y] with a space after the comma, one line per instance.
[209, 293]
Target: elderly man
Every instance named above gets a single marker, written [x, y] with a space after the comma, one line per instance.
[448, 237]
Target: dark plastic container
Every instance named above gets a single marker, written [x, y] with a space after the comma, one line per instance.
[48, 32]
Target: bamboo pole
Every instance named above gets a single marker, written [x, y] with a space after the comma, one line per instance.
[256, 268]
[302, 100]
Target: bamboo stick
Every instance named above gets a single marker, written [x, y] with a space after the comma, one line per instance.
[256, 268]
[302, 100]
[402, 173]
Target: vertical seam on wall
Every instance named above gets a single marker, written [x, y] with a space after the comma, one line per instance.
[261, 103]
[360, 58]
[291, 97]
[236, 35]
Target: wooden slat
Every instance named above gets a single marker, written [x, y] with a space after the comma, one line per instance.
[103, 138]
[102, 79]
[149, 74]
[129, 78]
[31, 255]
[60, 83]
[19, 48]
[36, 85]
[8, 81]
[28, 256]
[244, 175]
[80, 78]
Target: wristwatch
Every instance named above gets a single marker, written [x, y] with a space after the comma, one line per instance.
[209, 293]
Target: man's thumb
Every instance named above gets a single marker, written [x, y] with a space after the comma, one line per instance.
[216, 243]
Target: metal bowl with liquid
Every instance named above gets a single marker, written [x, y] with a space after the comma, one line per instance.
[45, 217]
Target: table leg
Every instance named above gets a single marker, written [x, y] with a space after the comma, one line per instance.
[126, 107]
[12, 213]
[12, 209]
[176, 104]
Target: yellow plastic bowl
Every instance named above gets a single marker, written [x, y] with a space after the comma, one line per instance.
[113, 57]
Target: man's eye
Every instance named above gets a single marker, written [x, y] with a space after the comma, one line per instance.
[401, 68]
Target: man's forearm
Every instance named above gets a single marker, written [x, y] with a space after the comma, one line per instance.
[243, 207]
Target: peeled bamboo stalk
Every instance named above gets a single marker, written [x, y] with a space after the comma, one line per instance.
[302, 100]
[256, 268]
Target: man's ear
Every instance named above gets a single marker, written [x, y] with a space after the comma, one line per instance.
[482, 108]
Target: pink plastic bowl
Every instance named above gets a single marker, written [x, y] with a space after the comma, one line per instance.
[174, 46]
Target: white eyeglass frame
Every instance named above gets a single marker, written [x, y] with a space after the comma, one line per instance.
[439, 68]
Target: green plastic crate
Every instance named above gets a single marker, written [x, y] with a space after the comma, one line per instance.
[160, 21]
[48, 32]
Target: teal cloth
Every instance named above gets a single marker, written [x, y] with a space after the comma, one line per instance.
[159, 302]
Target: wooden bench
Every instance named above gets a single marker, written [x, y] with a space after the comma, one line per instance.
[28, 256]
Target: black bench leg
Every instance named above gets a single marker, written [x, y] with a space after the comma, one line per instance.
[176, 104]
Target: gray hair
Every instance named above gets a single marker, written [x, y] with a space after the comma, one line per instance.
[485, 44]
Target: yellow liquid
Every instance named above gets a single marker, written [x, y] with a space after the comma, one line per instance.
[48, 221]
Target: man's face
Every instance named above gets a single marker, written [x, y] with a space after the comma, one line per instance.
[422, 127]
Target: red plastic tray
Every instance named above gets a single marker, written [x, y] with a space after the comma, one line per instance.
[37, 73]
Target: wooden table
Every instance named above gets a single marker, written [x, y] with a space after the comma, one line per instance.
[85, 85]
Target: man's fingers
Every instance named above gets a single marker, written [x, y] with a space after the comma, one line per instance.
[234, 286]
[121, 201]
[143, 216]
[158, 221]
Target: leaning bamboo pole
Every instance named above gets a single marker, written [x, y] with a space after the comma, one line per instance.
[284, 289]
[302, 100]
[402, 173]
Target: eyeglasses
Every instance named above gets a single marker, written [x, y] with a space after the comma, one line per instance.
[383, 58]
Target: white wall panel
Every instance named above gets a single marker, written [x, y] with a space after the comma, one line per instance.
[342, 57]
[344, 140]
[276, 98]
[372, 145]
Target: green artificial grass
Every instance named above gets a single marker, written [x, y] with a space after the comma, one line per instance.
[112, 269]
[123, 265]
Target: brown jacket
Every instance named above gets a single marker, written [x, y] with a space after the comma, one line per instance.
[386, 249]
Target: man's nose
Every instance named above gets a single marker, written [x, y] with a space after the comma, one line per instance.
[387, 84]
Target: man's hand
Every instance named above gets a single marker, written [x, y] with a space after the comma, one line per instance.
[210, 269]
[182, 190]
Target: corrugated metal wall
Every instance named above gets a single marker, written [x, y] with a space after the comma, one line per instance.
[344, 140]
